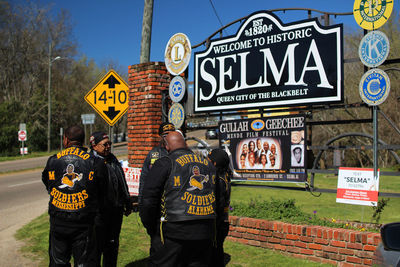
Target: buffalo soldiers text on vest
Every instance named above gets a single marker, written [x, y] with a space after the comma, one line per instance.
[70, 175]
[189, 190]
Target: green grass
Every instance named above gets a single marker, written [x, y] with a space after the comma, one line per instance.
[325, 205]
[134, 247]
[30, 155]
[134, 242]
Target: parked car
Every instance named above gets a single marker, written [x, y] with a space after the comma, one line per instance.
[212, 134]
[388, 251]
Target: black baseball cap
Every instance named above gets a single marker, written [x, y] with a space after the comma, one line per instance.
[96, 137]
[165, 127]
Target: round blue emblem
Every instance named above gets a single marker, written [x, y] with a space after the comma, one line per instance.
[177, 89]
[257, 125]
[176, 115]
[374, 49]
[374, 87]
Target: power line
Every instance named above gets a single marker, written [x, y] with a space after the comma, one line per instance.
[216, 14]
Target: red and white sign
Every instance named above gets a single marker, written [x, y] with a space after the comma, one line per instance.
[357, 186]
[132, 176]
[22, 135]
[23, 150]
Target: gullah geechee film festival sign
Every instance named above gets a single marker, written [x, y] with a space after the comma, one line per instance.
[267, 149]
[268, 64]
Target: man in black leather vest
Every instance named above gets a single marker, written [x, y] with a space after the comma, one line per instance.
[75, 182]
[178, 206]
[117, 201]
[155, 153]
[221, 161]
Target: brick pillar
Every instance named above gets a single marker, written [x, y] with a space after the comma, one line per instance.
[146, 82]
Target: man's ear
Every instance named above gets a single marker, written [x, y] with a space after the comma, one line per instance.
[65, 142]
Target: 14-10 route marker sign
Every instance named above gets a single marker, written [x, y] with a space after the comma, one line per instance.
[109, 97]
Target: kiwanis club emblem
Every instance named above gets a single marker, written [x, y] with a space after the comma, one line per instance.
[374, 49]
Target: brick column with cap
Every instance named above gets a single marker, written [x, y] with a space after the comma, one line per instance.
[146, 83]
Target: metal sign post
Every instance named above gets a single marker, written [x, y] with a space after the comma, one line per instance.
[111, 134]
[61, 138]
[375, 144]
[22, 136]
[88, 119]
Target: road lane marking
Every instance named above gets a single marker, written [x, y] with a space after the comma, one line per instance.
[21, 184]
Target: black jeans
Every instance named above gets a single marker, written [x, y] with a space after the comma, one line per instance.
[77, 241]
[180, 253]
[107, 233]
[218, 255]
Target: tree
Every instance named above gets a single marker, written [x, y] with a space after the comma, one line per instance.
[352, 75]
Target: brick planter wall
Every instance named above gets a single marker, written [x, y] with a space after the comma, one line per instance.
[336, 246]
[146, 81]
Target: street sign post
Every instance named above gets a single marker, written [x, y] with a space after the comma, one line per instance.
[88, 118]
[22, 136]
[109, 97]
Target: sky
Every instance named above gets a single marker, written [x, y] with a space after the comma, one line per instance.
[111, 30]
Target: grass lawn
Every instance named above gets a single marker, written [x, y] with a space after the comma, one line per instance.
[134, 247]
[134, 242]
[325, 205]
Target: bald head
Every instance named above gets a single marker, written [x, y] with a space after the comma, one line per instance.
[174, 140]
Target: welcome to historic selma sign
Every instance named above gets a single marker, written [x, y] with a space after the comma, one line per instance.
[268, 64]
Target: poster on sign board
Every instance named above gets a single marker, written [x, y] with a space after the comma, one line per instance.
[132, 176]
[267, 149]
[357, 186]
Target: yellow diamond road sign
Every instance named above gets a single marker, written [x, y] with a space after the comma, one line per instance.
[109, 97]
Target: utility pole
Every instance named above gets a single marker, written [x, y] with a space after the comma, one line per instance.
[146, 31]
[49, 102]
[51, 60]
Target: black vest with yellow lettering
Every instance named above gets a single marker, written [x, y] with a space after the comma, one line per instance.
[189, 190]
[71, 183]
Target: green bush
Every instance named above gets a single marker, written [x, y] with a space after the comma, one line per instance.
[278, 210]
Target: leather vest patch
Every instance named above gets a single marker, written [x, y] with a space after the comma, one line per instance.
[189, 190]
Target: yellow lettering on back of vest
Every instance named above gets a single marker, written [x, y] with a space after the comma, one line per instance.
[177, 181]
